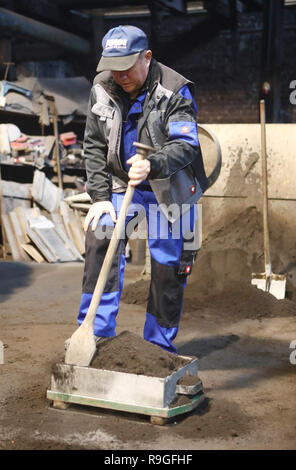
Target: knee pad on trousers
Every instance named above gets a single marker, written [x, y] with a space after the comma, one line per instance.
[95, 251]
[166, 294]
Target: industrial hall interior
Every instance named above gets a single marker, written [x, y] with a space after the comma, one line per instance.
[147, 227]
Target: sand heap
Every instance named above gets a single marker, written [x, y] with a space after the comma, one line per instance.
[221, 277]
[130, 353]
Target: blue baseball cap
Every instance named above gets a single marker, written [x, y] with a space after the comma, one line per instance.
[121, 48]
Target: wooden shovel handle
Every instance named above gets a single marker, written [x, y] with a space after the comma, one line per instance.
[117, 234]
[265, 190]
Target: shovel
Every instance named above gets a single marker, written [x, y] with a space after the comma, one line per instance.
[82, 346]
[275, 284]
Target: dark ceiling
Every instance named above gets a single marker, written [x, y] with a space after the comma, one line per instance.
[71, 30]
[30, 28]
[76, 16]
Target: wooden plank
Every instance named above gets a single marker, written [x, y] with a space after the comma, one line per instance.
[81, 197]
[37, 188]
[55, 244]
[80, 205]
[24, 214]
[30, 212]
[56, 218]
[14, 195]
[5, 247]
[18, 234]
[49, 141]
[23, 222]
[60, 230]
[76, 234]
[80, 228]
[41, 246]
[45, 229]
[17, 227]
[47, 194]
[73, 227]
[33, 252]
[12, 189]
[15, 252]
[65, 213]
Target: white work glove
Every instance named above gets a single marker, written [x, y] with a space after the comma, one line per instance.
[96, 211]
[139, 170]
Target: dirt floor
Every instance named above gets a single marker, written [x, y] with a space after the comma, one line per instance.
[241, 336]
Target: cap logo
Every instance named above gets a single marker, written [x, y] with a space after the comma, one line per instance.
[116, 43]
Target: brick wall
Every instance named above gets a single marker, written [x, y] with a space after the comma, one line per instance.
[227, 71]
[226, 67]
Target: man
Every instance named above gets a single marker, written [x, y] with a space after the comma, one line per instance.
[135, 98]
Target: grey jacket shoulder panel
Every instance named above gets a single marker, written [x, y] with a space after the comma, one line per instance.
[171, 159]
[173, 80]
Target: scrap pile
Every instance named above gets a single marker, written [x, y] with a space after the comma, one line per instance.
[54, 101]
[36, 220]
[72, 155]
[17, 148]
[37, 223]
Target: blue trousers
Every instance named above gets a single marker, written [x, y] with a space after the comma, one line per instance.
[166, 245]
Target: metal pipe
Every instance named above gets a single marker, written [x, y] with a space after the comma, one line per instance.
[19, 24]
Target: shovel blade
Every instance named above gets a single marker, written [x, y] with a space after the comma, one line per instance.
[82, 347]
[277, 286]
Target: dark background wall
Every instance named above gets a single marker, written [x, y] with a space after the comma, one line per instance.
[225, 64]
[222, 55]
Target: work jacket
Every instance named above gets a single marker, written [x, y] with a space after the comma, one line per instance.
[177, 175]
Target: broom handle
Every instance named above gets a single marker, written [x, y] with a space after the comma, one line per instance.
[265, 191]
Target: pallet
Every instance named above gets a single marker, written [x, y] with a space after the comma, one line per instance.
[158, 416]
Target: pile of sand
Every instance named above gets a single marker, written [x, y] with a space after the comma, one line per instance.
[130, 353]
[222, 273]
[236, 299]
